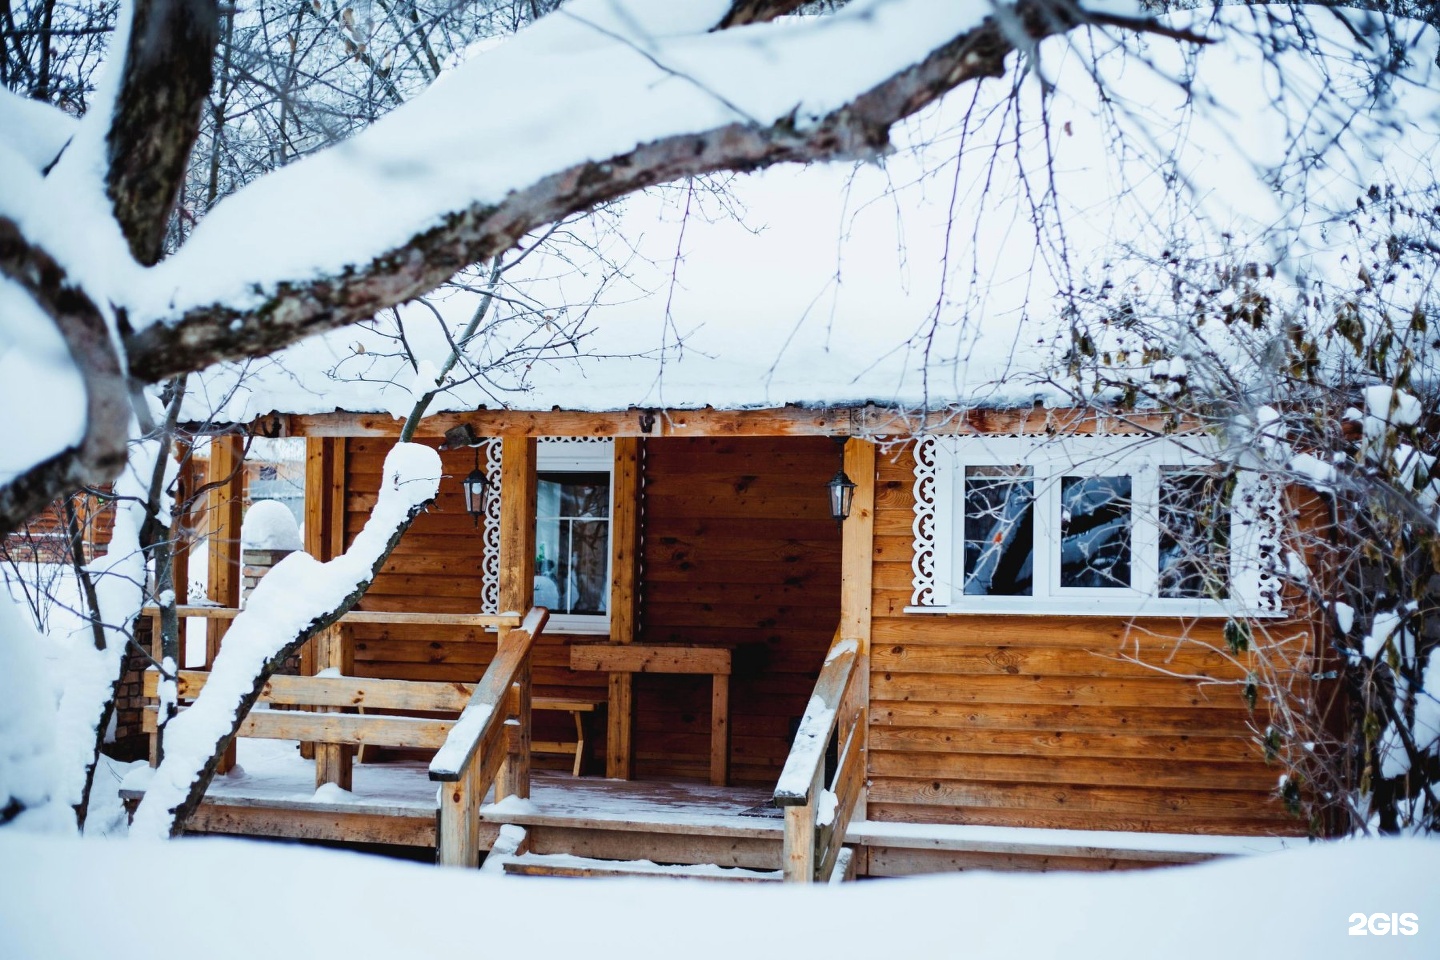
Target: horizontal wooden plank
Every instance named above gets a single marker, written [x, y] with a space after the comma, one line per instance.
[1099, 771]
[1062, 744]
[1061, 819]
[1129, 692]
[415, 732]
[300, 824]
[366, 616]
[905, 862]
[1118, 800]
[1150, 721]
[707, 422]
[690, 528]
[741, 616]
[1184, 659]
[637, 658]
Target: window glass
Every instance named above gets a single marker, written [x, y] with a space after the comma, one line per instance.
[572, 542]
[1095, 531]
[1194, 534]
[999, 531]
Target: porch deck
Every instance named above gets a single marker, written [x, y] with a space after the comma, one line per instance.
[271, 793]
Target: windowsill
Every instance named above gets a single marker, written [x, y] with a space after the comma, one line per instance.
[1026, 606]
[568, 623]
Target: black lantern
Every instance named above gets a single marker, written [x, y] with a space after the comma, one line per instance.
[842, 493]
[477, 485]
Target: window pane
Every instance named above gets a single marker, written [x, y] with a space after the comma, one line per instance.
[572, 542]
[1095, 531]
[1194, 534]
[585, 495]
[999, 531]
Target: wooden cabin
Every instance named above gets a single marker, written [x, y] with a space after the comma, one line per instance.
[732, 683]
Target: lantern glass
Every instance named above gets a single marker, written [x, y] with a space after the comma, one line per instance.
[476, 484]
[842, 493]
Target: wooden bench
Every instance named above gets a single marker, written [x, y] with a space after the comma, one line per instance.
[362, 729]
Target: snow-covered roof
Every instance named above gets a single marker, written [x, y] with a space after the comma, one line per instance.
[923, 280]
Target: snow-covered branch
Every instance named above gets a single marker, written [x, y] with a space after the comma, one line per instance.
[42, 294]
[300, 597]
[401, 208]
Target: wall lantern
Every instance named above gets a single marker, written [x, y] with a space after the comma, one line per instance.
[476, 484]
[477, 488]
[842, 494]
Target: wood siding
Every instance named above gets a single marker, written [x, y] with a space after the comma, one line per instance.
[1051, 721]
[437, 568]
[739, 551]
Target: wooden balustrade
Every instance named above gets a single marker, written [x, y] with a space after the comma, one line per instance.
[493, 732]
[816, 818]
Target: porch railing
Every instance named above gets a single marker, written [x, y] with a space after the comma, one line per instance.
[490, 737]
[489, 743]
[817, 815]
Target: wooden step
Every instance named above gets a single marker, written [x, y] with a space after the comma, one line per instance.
[565, 865]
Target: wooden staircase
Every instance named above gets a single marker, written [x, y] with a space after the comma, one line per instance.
[511, 856]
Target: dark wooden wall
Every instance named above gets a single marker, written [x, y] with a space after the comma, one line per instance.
[739, 551]
[1041, 722]
[437, 568]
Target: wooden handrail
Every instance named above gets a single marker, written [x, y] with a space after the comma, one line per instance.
[815, 830]
[483, 714]
[492, 620]
[477, 745]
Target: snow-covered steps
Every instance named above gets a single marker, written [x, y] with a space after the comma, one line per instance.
[567, 865]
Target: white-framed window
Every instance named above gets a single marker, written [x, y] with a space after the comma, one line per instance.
[574, 501]
[1132, 526]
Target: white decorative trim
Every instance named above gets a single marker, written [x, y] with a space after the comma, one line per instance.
[923, 563]
[490, 563]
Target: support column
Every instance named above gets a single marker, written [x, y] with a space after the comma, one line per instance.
[324, 529]
[223, 504]
[624, 597]
[857, 567]
[334, 761]
[517, 591]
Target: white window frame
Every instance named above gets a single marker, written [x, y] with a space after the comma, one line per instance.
[594, 456]
[1252, 593]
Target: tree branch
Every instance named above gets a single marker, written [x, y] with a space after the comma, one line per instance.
[742, 12]
[100, 454]
[167, 78]
[297, 309]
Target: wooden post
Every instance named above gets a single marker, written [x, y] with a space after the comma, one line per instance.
[797, 860]
[856, 586]
[720, 729]
[517, 589]
[324, 525]
[224, 508]
[334, 761]
[624, 595]
[458, 834]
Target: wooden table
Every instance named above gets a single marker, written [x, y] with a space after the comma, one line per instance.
[629, 658]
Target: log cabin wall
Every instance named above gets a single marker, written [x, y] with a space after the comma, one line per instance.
[1039, 722]
[739, 551]
[437, 568]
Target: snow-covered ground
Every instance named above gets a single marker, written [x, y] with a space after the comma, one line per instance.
[226, 898]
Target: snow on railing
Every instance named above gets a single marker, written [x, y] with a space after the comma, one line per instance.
[816, 817]
[478, 745]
